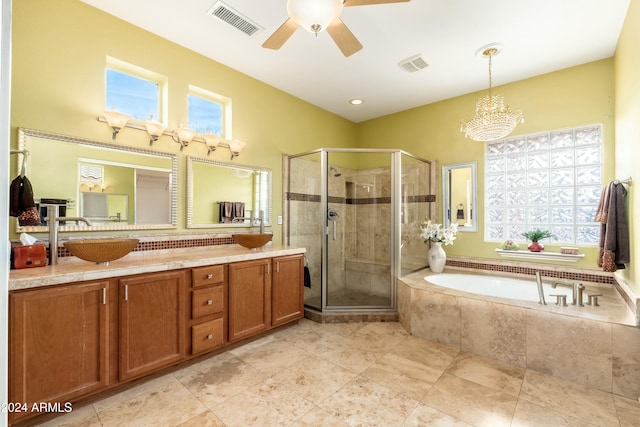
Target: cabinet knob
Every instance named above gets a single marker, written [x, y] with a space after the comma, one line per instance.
[209, 276]
[210, 337]
[209, 302]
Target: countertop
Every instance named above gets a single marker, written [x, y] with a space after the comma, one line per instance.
[72, 269]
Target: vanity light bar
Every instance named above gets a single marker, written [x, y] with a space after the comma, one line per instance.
[230, 145]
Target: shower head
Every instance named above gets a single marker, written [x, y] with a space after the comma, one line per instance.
[335, 171]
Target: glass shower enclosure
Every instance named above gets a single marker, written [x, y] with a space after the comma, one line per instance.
[356, 211]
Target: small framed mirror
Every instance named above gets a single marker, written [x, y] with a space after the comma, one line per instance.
[460, 196]
[221, 194]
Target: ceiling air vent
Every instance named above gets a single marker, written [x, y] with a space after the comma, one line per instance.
[413, 63]
[232, 17]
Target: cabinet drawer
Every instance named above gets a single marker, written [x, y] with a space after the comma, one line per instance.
[207, 301]
[207, 336]
[210, 275]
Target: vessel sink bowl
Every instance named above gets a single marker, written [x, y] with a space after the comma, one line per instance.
[252, 240]
[100, 251]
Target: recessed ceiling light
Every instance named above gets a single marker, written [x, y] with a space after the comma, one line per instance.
[356, 101]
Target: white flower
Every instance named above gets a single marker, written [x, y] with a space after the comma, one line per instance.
[431, 232]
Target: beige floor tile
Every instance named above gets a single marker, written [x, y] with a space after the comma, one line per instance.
[161, 401]
[317, 417]
[365, 403]
[488, 372]
[471, 402]
[626, 361]
[628, 411]
[205, 419]
[403, 375]
[266, 404]
[530, 415]
[587, 404]
[85, 416]
[215, 380]
[350, 357]
[273, 357]
[429, 353]
[425, 415]
[314, 378]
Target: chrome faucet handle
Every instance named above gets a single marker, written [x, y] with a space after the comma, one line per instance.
[578, 289]
[593, 299]
[561, 299]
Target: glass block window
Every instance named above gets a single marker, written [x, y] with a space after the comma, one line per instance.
[550, 180]
[134, 91]
[208, 112]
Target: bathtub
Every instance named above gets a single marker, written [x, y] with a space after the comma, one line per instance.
[496, 286]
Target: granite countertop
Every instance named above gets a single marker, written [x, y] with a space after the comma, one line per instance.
[72, 269]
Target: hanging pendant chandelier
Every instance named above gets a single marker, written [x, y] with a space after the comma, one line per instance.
[494, 119]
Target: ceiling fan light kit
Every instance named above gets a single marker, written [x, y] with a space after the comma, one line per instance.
[319, 15]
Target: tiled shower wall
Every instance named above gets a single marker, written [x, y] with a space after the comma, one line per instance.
[360, 252]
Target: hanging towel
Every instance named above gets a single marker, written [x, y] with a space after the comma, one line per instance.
[307, 277]
[21, 204]
[238, 210]
[226, 212]
[614, 231]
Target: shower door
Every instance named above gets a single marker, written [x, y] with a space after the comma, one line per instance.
[358, 233]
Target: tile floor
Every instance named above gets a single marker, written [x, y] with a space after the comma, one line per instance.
[354, 374]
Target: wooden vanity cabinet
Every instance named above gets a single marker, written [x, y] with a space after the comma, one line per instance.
[58, 343]
[287, 294]
[208, 308]
[152, 316]
[249, 298]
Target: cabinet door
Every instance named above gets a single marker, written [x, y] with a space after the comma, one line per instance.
[152, 322]
[249, 298]
[287, 300]
[58, 343]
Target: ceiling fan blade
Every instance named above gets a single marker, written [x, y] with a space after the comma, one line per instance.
[343, 37]
[281, 35]
[348, 3]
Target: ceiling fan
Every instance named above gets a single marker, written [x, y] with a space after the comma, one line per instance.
[319, 15]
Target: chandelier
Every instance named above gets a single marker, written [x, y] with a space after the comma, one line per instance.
[494, 119]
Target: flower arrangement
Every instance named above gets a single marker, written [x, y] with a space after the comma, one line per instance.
[431, 232]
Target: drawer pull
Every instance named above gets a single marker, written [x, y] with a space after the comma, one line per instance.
[210, 302]
[209, 276]
[210, 337]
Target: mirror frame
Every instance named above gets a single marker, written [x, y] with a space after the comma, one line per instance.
[24, 134]
[268, 211]
[446, 187]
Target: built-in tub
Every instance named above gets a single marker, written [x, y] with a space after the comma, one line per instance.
[499, 317]
[497, 286]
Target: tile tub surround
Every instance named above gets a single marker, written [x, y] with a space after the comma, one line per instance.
[582, 345]
[353, 374]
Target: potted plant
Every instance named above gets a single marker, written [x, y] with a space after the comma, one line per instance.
[535, 236]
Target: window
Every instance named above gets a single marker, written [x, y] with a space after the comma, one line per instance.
[134, 91]
[549, 180]
[208, 112]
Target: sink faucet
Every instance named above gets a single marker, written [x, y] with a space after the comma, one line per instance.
[252, 220]
[53, 221]
[577, 289]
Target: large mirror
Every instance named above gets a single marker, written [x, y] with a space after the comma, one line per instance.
[460, 196]
[116, 187]
[223, 194]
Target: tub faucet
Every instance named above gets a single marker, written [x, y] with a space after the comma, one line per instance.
[540, 289]
[577, 290]
[53, 221]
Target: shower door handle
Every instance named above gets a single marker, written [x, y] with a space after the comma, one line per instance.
[334, 230]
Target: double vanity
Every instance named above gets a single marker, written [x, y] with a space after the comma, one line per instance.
[77, 329]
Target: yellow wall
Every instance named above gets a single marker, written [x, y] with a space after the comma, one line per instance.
[59, 57]
[627, 153]
[576, 96]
